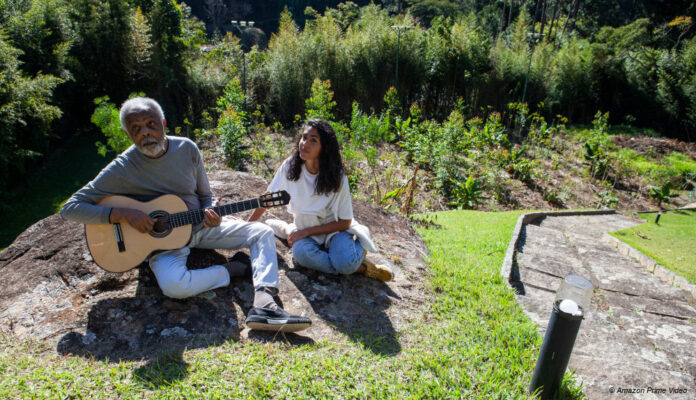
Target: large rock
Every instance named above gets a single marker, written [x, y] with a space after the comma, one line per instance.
[52, 291]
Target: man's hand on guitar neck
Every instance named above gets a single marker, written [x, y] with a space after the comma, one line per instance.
[135, 218]
[211, 219]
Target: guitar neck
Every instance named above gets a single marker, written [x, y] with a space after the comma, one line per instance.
[197, 216]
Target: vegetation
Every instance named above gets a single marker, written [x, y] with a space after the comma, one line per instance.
[472, 59]
[669, 242]
[479, 120]
[67, 170]
[454, 349]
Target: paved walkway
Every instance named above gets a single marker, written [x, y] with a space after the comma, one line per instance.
[640, 333]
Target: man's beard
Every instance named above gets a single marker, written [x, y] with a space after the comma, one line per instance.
[151, 151]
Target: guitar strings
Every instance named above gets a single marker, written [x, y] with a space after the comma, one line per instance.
[197, 216]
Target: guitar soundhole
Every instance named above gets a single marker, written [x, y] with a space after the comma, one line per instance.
[161, 228]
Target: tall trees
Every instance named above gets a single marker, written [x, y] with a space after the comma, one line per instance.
[101, 51]
[25, 114]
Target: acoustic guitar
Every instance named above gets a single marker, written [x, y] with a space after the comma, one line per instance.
[120, 247]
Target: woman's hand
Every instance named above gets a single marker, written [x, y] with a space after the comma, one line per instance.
[297, 235]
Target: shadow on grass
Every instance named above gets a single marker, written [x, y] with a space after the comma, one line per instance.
[162, 371]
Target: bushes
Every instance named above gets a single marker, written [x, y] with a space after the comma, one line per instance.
[231, 127]
[320, 104]
[595, 147]
[106, 117]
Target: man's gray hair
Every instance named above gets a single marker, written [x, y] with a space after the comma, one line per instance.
[138, 105]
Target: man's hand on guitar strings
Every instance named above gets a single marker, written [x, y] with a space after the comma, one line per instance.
[135, 218]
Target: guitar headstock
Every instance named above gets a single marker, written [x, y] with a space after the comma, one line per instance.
[274, 199]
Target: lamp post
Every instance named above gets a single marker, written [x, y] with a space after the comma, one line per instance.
[570, 306]
[242, 26]
[533, 39]
[398, 29]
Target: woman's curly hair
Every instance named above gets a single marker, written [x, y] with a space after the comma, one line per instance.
[330, 164]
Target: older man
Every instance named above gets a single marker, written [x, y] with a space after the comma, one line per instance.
[157, 164]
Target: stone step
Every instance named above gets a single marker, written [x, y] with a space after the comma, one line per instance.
[551, 264]
[639, 332]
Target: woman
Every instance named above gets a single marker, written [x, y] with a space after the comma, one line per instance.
[323, 236]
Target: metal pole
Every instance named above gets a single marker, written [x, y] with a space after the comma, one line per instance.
[398, 47]
[243, 25]
[526, 77]
[244, 78]
[398, 29]
[533, 37]
[571, 304]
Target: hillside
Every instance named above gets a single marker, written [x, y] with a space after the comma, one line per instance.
[558, 175]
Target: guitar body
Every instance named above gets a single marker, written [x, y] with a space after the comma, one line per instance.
[103, 243]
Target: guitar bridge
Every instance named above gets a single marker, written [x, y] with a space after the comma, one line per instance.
[119, 238]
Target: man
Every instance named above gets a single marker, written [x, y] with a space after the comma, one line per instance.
[157, 164]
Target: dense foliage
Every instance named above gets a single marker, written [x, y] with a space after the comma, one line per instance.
[456, 59]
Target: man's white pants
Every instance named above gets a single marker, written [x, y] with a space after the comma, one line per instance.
[177, 281]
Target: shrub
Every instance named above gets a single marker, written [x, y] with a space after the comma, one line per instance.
[105, 116]
[320, 103]
[466, 194]
[595, 147]
[663, 193]
[231, 127]
[26, 114]
[605, 199]
[231, 132]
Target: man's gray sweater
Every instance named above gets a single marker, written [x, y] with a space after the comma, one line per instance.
[178, 171]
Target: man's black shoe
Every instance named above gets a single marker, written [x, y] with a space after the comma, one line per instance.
[277, 320]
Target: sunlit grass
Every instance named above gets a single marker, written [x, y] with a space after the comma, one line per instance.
[671, 242]
[472, 340]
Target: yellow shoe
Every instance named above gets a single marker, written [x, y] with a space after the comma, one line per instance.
[377, 271]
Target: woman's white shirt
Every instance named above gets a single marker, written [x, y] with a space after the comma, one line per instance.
[311, 209]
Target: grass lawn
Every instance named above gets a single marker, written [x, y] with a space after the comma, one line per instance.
[473, 341]
[671, 243]
[66, 171]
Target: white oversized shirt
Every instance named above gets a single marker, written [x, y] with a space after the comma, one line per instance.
[311, 209]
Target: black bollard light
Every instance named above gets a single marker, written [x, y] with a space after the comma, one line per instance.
[572, 301]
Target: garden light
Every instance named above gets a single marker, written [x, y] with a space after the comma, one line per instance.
[572, 301]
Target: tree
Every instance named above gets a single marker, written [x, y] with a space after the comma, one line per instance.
[44, 35]
[168, 58]
[426, 10]
[100, 56]
[25, 114]
[138, 65]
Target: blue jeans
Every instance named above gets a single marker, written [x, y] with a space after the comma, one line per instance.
[344, 256]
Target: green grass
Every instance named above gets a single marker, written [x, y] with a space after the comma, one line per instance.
[471, 341]
[66, 171]
[671, 243]
[675, 166]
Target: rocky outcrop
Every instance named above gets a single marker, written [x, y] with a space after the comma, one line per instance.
[53, 291]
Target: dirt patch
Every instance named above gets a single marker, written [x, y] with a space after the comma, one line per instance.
[654, 146]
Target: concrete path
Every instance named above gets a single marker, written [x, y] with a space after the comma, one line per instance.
[639, 337]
